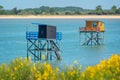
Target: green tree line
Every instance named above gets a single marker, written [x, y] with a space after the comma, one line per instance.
[70, 10]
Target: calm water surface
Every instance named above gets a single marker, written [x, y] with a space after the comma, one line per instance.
[13, 42]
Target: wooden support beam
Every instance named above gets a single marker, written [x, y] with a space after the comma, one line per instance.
[36, 47]
[93, 37]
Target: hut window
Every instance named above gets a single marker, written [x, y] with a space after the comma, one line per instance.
[94, 24]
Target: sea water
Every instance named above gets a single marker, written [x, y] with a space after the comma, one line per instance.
[13, 40]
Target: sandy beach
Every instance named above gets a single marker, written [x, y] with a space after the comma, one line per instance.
[59, 16]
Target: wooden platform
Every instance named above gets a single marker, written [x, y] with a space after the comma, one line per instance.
[83, 30]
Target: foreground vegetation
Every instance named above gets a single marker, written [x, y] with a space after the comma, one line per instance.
[70, 10]
[21, 69]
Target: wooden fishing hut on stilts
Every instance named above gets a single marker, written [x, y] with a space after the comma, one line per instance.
[92, 33]
[44, 41]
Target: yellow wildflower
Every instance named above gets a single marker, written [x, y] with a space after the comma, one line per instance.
[21, 63]
[51, 72]
[103, 63]
[39, 79]
[98, 67]
[48, 67]
[113, 79]
[43, 57]
[101, 78]
[38, 75]
[15, 68]
[8, 69]
[13, 78]
[62, 74]
[56, 69]
[83, 74]
[34, 67]
[12, 74]
[92, 75]
[45, 75]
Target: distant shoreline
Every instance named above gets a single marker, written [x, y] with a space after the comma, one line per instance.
[59, 16]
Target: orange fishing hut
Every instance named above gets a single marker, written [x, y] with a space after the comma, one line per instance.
[93, 33]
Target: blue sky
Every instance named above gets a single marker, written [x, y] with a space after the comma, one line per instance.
[86, 4]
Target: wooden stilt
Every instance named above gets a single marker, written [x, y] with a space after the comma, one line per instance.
[36, 48]
[93, 37]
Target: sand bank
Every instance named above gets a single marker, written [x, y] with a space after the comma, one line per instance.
[60, 16]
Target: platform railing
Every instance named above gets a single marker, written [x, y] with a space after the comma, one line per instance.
[34, 35]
